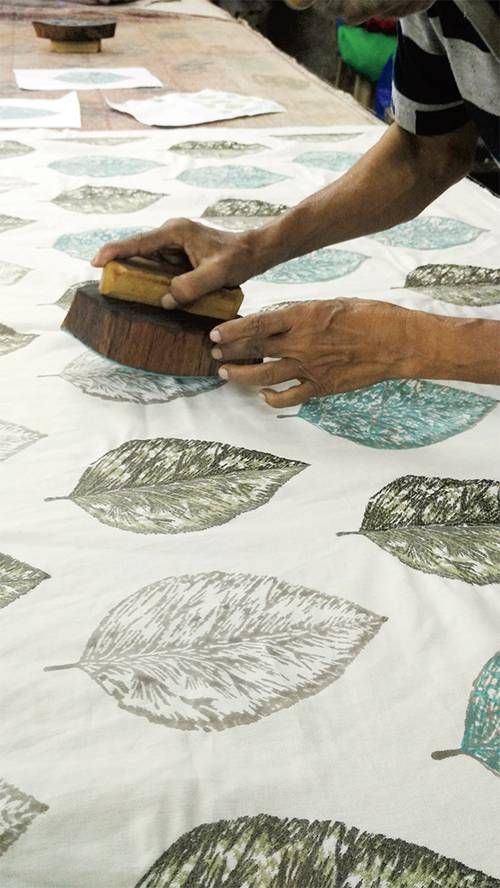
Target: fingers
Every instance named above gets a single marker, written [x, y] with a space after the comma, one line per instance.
[168, 237]
[270, 373]
[256, 326]
[292, 397]
[186, 288]
[274, 347]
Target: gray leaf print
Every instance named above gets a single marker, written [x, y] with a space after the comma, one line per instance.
[230, 177]
[316, 137]
[211, 651]
[459, 284]
[171, 485]
[269, 852]
[221, 149]
[17, 578]
[84, 244]
[429, 233]
[67, 297]
[10, 340]
[99, 167]
[11, 274]
[238, 214]
[336, 161]
[107, 141]
[11, 148]
[10, 183]
[21, 112]
[106, 199]
[322, 265]
[15, 437]
[114, 382]
[17, 812]
[442, 526]
[8, 222]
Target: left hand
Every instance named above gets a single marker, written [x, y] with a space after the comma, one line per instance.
[329, 347]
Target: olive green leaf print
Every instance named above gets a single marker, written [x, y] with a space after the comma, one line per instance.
[459, 284]
[11, 274]
[213, 650]
[98, 167]
[15, 437]
[84, 244]
[10, 183]
[89, 77]
[220, 149]
[10, 340]
[114, 382]
[429, 233]
[17, 578]
[322, 265]
[106, 199]
[8, 222]
[20, 112]
[237, 213]
[269, 852]
[230, 177]
[442, 526]
[398, 413]
[316, 137]
[481, 738]
[67, 297]
[17, 812]
[11, 148]
[336, 161]
[172, 485]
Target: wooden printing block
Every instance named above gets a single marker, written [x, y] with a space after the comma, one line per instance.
[75, 35]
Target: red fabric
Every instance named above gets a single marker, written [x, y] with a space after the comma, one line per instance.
[387, 25]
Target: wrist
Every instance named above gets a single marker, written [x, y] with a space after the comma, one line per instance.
[452, 348]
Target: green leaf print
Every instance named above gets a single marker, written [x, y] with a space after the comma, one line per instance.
[230, 177]
[106, 199]
[11, 148]
[98, 167]
[335, 161]
[322, 265]
[10, 340]
[221, 148]
[459, 284]
[11, 274]
[84, 244]
[481, 738]
[429, 233]
[398, 413]
[214, 650]
[269, 852]
[172, 485]
[239, 214]
[443, 526]
[67, 297]
[9, 222]
[21, 112]
[17, 812]
[17, 578]
[14, 438]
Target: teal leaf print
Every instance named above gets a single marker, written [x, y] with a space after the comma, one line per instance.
[316, 137]
[10, 183]
[14, 438]
[237, 213]
[100, 78]
[441, 526]
[19, 112]
[219, 148]
[230, 177]
[429, 233]
[67, 297]
[172, 485]
[17, 812]
[322, 265]
[99, 166]
[17, 578]
[84, 244]
[459, 284]
[9, 222]
[106, 199]
[335, 161]
[481, 738]
[114, 382]
[269, 852]
[11, 274]
[210, 651]
[11, 148]
[10, 340]
[398, 413]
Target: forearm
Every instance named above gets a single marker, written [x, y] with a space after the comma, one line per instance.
[452, 348]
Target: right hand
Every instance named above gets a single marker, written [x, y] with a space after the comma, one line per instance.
[219, 258]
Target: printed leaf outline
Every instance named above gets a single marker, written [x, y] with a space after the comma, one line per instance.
[99, 140]
[14, 438]
[17, 812]
[11, 183]
[85, 77]
[106, 199]
[12, 148]
[481, 738]
[316, 137]
[240, 214]
[230, 176]
[101, 166]
[9, 222]
[17, 578]
[216, 148]
[398, 413]
[214, 650]
[67, 297]
[270, 852]
[429, 233]
[10, 340]
[322, 265]
[335, 161]
[110, 381]
[175, 485]
[11, 274]
[458, 284]
[83, 244]
[443, 526]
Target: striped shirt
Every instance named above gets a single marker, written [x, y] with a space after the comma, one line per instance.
[445, 75]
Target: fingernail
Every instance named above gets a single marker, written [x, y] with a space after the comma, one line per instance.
[217, 354]
[215, 335]
[168, 301]
[223, 373]
[262, 395]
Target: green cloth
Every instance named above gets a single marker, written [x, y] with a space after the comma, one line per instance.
[365, 51]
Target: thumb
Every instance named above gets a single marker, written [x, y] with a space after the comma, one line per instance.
[189, 287]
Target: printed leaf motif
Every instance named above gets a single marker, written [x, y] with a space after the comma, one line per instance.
[269, 852]
[236, 213]
[316, 137]
[17, 578]
[221, 149]
[481, 738]
[11, 274]
[9, 183]
[429, 233]
[230, 177]
[15, 437]
[106, 199]
[67, 297]
[8, 222]
[10, 340]
[171, 485]
[442, 526]
[85, 77]
[97, 166]
[20, 112]
[114, 382]
[214, 650]
[460, 284]
[107, 141]
[398, 413]
[84, 244]
[17, 812]
[336, 161]
[11, 148]
[322, 265]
